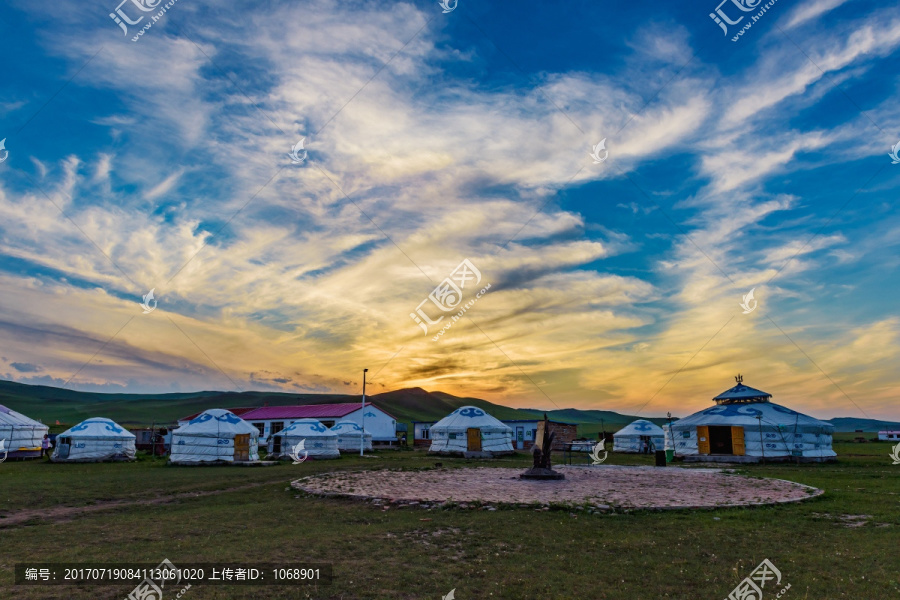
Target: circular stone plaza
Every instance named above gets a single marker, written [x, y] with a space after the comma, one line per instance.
[604, 487]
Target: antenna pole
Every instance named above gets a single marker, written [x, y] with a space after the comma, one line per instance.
[362, 435]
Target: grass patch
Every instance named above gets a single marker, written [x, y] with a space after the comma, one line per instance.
[842, 544]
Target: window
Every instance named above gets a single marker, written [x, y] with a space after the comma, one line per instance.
[328, 423]
[277, 426]
[425, 433]
[261, 427]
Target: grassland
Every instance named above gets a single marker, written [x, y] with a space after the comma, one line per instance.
[842, 545]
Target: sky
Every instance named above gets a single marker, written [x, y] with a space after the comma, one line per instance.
[546, 205]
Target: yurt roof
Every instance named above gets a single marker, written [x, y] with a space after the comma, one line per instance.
[98, 427]
[347, 427]
[214, 422]
[12, 418]
[742, 393]
[470, 416]
[746, 415]
[307, 428]
[640, 427]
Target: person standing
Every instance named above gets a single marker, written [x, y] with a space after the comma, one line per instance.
[45, 446]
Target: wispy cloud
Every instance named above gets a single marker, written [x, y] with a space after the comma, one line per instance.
[285, 283]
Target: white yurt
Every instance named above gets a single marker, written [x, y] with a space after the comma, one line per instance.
[350, 435]
[94, 440]
[745, 426]
[20, 436]
[215, 435]
[641, 436]
[318, 441]
[470, 429]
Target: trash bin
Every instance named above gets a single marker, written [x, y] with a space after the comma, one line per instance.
[660, 458]
[670, 455]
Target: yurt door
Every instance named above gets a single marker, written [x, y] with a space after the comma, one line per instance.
[473, 439]
[702, 439]
[737, 441]
[64, 445]
[242, 447]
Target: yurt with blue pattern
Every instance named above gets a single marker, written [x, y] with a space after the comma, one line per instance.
[640, 436]
[94, 440]
[305, 438]
[215, 436]
[350, 436]
[745, 426]
[470, 429]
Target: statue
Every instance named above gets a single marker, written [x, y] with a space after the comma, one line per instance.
[542, 468]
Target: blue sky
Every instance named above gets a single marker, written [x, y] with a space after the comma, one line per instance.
[435, 137]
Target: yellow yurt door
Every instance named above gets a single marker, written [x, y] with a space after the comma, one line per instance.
[473, 439]
[737, 441]
[702, 439]
[242, 447]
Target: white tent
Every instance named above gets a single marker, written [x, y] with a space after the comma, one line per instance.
[349, 435]
[470, 429]
[747, 427]
[318, 441]
[215, 435]
[94, 440]
[639, 436]
[21, 436]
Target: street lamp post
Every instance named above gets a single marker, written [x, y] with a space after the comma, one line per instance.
[362, 436]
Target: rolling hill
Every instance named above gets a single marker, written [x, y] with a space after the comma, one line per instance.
[51, 404]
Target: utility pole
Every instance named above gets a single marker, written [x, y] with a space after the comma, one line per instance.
[362, 435]
[762, 440]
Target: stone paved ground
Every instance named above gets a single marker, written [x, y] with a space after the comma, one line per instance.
[600, 486]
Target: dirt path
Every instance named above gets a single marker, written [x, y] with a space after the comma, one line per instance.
[603, 487]
[56, 514]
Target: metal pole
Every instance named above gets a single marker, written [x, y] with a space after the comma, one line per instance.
[362, 436]
[671, 434]
[762, 441]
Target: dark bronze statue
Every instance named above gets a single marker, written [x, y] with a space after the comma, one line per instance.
[542, 468]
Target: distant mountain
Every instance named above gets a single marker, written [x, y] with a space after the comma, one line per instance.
[578, 416]
[50, 404]
[851, 424]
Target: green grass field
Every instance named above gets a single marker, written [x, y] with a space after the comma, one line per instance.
[842, 545]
